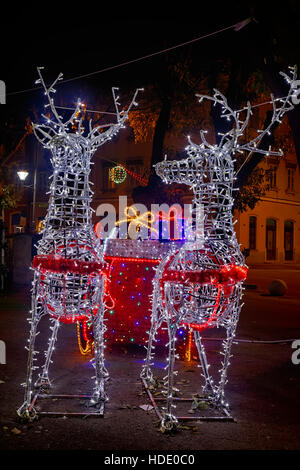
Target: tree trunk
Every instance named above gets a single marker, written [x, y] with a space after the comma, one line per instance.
[153, 193]
[160, 131]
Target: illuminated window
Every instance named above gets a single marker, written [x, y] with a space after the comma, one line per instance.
[40, 225]
[108, 181]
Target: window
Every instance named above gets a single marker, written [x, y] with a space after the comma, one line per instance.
[288, 240]
[40, 225]
[271, 177]
[252, 232]
[131, 174]
[271, 239]
[18, 222]
[135, 171]
[108, 182]
[291, 174]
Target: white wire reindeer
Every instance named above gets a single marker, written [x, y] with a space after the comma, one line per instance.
[200, 285]
[69, 270]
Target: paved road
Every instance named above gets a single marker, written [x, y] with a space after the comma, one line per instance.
[263, 389]
[261, 277]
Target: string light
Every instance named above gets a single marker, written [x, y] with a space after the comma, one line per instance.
[130, 287]
[142, 181]
[83, 335]
[137, 220]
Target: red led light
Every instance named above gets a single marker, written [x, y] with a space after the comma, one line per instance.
[60, 265]
[223, 277]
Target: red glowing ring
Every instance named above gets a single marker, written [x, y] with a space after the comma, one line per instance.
[60, 265]
[57, 264]
[224, 277]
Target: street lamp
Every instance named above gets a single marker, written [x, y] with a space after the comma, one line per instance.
[22, 174]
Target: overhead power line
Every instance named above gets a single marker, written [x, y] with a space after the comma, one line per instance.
[236, 27]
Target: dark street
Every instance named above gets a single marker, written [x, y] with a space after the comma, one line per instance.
[263, 388]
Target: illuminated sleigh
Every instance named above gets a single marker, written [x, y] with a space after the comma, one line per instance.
[127, 300]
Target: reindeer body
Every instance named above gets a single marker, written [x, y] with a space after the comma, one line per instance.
[68, 235]
[219, 252]
[69, 271]
[200, 285]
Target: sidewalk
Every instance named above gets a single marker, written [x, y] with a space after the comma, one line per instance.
[270, 265]
[263, 388]
[261, 276]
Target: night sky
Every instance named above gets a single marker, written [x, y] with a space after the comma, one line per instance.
[80, 39]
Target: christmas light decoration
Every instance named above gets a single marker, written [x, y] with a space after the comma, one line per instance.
[200, 285]
[132, 267]
[84, 338]
[118, 174]
[139, 178]
[69, 270]
[171, 224]
[136, 221]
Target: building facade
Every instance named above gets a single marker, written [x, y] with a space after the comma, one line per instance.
[270, 232]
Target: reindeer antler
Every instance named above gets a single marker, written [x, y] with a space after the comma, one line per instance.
[48, 91]
[240, 125]
[56, 125]
[285, 105]
[45, 132]
[99, 138]
[228, 113]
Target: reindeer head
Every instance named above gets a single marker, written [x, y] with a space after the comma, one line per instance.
[214, 164]
[67, 144]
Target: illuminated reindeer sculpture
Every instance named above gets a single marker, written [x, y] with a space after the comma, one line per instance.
[200, 285]
[69, 270]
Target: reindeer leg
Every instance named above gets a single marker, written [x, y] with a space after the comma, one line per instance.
[27, 411]
[156, 319]
[99, 328]
[226, 347]
[43, 379]
[169, 421]
[208, 388]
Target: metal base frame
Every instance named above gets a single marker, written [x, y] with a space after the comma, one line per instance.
[38, 395]
[223, 416]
